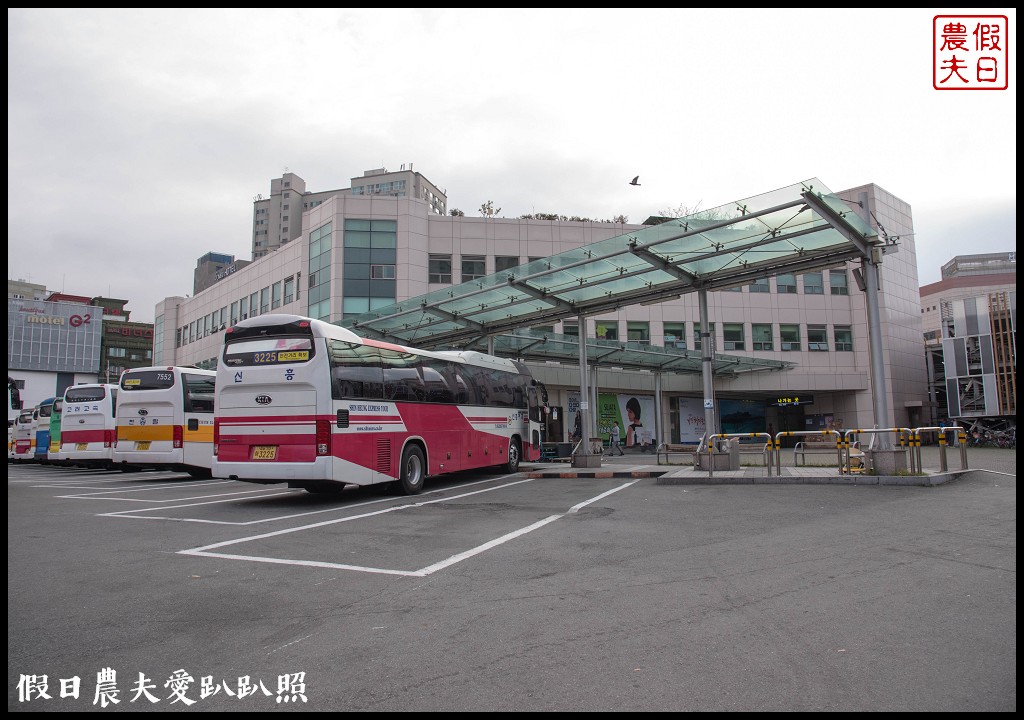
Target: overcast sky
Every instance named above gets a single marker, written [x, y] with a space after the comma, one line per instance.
[137, 139]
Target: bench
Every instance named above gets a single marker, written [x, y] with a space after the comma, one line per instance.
[826, 444]
[814, 445]
[672, 450]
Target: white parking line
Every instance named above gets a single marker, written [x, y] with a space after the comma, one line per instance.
[132, 514]
[206, 550]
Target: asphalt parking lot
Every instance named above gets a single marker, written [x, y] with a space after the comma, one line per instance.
[500, 592]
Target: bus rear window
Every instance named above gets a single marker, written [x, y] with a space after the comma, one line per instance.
[268, 351]
[73, 395]
[147, 380]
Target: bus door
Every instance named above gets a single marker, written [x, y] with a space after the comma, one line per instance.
[42, 446]
[55, 420]
[198, 419]
[536, 421]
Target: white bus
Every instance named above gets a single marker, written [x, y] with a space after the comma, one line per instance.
[165, 419]
[87, 425]
[25, 435]
[314, 405]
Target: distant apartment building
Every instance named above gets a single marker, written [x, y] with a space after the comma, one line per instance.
[214, 267]
[277, 219]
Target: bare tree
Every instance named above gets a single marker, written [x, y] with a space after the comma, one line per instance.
[488, 209]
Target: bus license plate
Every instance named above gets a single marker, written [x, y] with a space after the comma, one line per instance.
[264, 452]
[142, 444]
[81, 446]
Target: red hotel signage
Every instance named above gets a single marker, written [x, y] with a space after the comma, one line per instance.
[130, 331]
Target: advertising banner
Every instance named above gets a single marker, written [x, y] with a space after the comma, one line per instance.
[634, 413]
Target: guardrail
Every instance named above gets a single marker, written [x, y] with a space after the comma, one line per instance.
[960, 435]
[903, 439]
[804, 433]
[727, 436]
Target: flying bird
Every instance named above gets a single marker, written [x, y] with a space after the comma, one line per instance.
[635, 181]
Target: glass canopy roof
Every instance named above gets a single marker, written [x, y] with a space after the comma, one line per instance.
[541, 346]
[793, 229]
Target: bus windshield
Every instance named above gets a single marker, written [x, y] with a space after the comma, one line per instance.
[147, 380]
[84, 394]
[268, 351]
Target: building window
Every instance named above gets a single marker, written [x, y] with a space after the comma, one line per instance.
[732, 336]
[370, 264]
[785, 284]
[571, 328]
[696, 335]
[439, 269]
[813, 284]
[817, 340]
[761, 336]
[473, 267]
[254, 304]
[759, 286]
[319, 295]
[844, 338]
[837, 280]
[789, 336]
[116, 352]
[675, 335]
[638, 332]
[289, 288]
[275, 296]
[505, 262]
[606, 330]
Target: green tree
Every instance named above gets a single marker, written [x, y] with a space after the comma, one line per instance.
[488, 209]
[457, 213]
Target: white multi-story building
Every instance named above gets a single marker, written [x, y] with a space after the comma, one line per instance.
[349, 253]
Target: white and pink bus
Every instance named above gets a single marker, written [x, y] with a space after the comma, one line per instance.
[314, 405]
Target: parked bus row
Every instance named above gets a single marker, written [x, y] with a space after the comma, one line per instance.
[139, 423]
[310, 404]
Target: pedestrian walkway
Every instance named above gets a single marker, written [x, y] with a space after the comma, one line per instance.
[645, 465]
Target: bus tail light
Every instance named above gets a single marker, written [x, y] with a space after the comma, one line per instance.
[108, 438]
[178, 437]
[323, 437]
[216, 435]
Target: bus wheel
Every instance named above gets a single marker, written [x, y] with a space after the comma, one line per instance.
[512, 466]
[413, 471]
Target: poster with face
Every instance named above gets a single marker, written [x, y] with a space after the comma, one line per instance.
[635, 415]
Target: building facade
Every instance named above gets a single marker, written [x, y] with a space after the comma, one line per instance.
[355, 252]
[969, 319]
[50, 346]
[66, 340]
